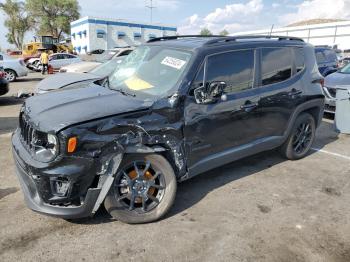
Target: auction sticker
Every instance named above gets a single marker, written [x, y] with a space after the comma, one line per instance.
[173, 62]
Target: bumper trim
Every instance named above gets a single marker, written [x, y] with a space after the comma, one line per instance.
[34, 202]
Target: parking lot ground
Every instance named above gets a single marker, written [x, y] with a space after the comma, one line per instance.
[261, 208]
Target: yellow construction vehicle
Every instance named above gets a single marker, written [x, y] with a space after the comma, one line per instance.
[46, 42]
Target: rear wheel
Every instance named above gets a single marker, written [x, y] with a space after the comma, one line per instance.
[301, 138]
[10, 75]
[143, 191]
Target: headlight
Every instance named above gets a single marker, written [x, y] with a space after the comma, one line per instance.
[47, 148]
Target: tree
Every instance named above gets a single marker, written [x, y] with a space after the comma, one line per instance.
[205, 31]
[53, 16]
[17, 22]
[224, 32]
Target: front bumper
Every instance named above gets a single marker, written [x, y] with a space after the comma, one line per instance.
[330, 102]
[330, 105]
[36, 193]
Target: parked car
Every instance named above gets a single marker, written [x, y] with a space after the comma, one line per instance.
[4, 86]
[108, 54]
[86, 66]
[74, 80]
[344, 62]
[97, 52]
[176, 107]
[13, 67]
[16, 54]
[57, 61]
[340, 79]
[80, 67]
[327, 60]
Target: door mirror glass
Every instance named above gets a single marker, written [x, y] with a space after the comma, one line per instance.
[210, 93]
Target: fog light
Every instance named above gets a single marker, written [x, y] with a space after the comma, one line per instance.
[59, 186]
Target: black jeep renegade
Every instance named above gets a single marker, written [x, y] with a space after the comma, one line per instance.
[176, 107]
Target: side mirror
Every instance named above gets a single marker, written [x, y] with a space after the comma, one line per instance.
[210, 93]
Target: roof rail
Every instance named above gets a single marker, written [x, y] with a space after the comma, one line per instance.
[164, 38]
[234, 38]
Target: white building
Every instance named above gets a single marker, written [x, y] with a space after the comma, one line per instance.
[91, 33]
[336, 33]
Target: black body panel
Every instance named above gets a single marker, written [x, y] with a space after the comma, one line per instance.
[194, 137]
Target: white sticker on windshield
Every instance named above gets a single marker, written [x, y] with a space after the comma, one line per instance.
[173, 62]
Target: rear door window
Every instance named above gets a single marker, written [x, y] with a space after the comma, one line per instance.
[330, 55]
[68, 56]
[235, 68]
[276, 65]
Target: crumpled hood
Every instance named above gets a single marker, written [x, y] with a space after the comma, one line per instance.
[54, 111]
[337, 79]
[61, 80]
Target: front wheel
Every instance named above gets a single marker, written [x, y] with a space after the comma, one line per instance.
[301, 138]
[143, 191]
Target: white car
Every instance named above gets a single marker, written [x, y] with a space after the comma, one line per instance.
[13, 67]
[57, 61]
[81, 67]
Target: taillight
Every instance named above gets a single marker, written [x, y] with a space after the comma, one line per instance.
[2, 74]
[319, 81]
[322, 82]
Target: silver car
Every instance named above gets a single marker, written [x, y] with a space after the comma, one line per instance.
[75, 80]
[57, 61]
[13, 67]
[339, 79]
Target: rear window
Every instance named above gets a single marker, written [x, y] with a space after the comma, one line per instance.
[276, 65]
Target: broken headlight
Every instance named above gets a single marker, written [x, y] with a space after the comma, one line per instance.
[45, 147]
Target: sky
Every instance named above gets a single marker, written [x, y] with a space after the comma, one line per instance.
[190, 16]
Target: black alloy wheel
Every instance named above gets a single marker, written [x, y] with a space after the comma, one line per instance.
[301, 137]
[144, 189]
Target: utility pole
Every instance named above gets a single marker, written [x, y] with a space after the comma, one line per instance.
[151, 7]
[272, 29]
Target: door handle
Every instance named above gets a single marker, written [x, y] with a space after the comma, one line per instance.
[248, 107]
[295, 92]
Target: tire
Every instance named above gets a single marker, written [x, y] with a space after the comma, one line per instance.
[301, 138]
[144, 209]
[10, 75]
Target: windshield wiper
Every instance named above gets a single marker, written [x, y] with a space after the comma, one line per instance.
[123, 92]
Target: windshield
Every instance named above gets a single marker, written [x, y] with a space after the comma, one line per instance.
[345, 69]
[152, 70]
[108, 67]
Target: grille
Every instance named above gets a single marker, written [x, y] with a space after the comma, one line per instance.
[332, 91]
[27, 131]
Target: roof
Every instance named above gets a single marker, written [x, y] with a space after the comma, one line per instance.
[197, 41]
[120, 22]
[186, 43]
